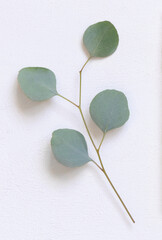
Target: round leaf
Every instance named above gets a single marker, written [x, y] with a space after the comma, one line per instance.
[69, 147]
[101, 39]
[109, 110]
[37, 83]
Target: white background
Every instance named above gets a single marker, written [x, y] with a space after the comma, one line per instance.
[42, 200]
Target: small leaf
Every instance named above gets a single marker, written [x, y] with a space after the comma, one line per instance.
[69, 147]
[109, 110]
[37, 83]
[101, 39]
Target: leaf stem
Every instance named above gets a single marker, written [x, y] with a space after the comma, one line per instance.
[68, 100]
[80, 102]
[101, 141]
[87, 128]
[97, 165]
[80, 87]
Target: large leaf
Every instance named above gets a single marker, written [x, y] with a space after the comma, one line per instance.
[69, 147]
[101, 39]
[37, 83]
[109, 109]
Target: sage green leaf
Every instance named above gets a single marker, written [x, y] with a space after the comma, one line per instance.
[69, 148]
[109, 110]
[101, 39]
[37, 83]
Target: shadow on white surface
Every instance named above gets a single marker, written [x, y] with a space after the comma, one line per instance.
[59, 171]
[27, 106]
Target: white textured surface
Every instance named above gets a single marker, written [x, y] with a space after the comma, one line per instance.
[41, 200]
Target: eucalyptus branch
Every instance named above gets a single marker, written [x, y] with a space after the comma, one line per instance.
[109, 108]
[97, 151]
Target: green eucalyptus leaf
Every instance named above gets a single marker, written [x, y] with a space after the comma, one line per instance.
[101, 39]
[69, 147]
[37, 83]
[109, 110]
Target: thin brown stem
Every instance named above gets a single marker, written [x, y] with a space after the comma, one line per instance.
[68, 100]
[118, 196]
[101, 141]
[106, 175]
[85, 64]
[87, 127]
[80, 102]
[80, 87]
[97, 165]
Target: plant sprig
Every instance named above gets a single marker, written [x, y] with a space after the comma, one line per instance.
[109, 109]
